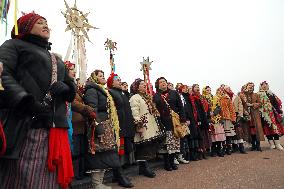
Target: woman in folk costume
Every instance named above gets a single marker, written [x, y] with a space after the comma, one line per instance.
[241, 127]
[81, 114]
[184, 155]
[200, 112]
[103, 138]
[271, 111]
[37, 87]
[252, 106]
[218, 136]
[228, 117]
[195, 132]
[149, 131]
[167, 100]
[126, 131]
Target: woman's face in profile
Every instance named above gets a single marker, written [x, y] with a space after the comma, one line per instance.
[41, 29]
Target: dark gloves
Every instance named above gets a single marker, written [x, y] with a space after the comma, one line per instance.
[58, 88]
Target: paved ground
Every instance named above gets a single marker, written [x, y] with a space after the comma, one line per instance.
[256, 170]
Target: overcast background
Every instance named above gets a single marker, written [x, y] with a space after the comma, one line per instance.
[209, 42]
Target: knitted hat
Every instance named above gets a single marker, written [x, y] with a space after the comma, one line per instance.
[25, 24]
[135, 86]
[110, 80]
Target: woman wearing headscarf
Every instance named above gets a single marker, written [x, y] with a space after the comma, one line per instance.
[79, 117]
[167, 100]
[103, 138]
[37, 87]
[126, 129]
[217, 132]
[200, 113]
[228, 117]
[149, 130]
[271, 111]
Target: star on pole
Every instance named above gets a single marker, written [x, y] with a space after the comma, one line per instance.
[77, 21]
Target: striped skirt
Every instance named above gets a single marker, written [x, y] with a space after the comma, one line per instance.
[229, 128]
[30, 170]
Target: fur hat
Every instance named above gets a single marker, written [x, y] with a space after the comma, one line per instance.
[25, 24]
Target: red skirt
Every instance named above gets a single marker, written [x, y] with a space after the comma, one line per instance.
[270, 131]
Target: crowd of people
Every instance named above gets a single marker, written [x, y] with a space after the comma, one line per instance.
[56, 129]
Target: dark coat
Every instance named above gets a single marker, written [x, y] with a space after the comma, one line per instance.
[202, 115]
[194, 129]
[26, 78]
[96, 97]
[126, 120]
[175, 103]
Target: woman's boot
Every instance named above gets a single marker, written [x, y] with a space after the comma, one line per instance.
[145, 170]
[172, 163]
[242, 148]
[97, 180]
[219, 150]
[167, 164]
[121, 178]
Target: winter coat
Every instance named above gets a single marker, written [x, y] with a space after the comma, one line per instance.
[227, 108]
[80, 114]
[238, 106]
[26, 78]
[254, 99]
[126, 121]
[188, 109]
[141, 113]
[175, 104]
[96, 98]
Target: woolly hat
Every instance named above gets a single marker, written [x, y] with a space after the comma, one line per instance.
[25, 24]
[110, 80]
[135, 86]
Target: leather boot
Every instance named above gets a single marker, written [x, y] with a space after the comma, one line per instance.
[219, 150]
[242, 148]
[213, 150]
[167, 164]
[258, 148]
[235, 148]
[145, 170]
[192, 155]
[122, 179]
[172, 163]
[228, 149]
[253, 143]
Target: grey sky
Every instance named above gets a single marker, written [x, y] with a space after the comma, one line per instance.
[207, 42]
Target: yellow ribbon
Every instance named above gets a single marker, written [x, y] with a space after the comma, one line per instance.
[15, 17]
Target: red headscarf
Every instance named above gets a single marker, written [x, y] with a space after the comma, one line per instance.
[26, 24]
[69, 65]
